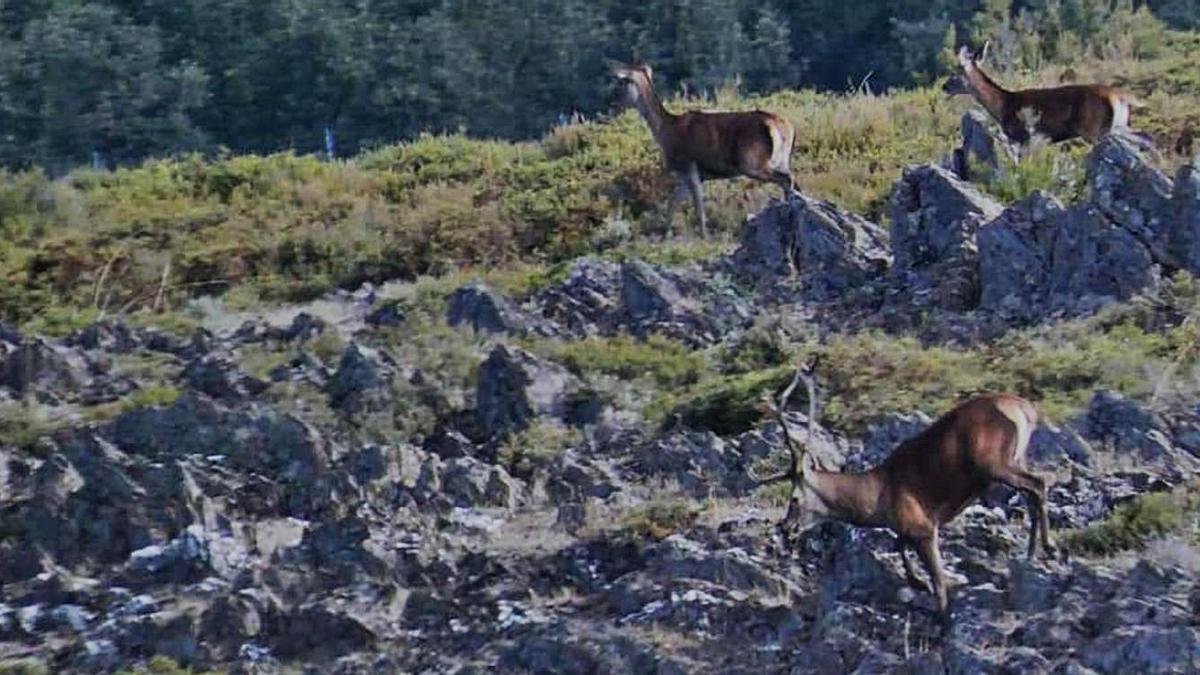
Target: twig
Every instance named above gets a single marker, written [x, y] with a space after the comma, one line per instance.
[103, 278]
[162, 286]
[194, 284]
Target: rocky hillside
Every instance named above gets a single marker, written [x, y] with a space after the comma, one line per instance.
[437, 477]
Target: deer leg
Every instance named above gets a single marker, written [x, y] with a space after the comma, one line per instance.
[910, 573]
[927, 548]
[1034, 489]
[697, 189]
[681, 188]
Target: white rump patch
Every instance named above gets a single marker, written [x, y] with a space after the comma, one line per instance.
[781, 146]
[1016, 412]
[1120, 108]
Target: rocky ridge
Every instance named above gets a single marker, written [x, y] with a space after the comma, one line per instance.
[228, 528]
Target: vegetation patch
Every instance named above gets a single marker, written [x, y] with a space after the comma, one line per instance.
[1134, 524]
[660, 518]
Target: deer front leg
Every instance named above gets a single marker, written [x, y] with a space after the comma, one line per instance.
[931, 557]
[910, 573]
[697, 189]
[681, 189]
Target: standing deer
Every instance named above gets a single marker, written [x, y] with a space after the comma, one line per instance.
[1088, 111]
[925, 482]
[699, 146]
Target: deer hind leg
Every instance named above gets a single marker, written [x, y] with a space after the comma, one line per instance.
[931, 557]
[1034, 489]
[696, 187]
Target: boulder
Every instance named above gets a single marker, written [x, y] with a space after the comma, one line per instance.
[1183, 234]
[1015, 255]
[1130, 192]
[832, 250]
[486, 310]
[515, 387]
[362, 382]
[983, 144]
[218, 376]
[935, 218]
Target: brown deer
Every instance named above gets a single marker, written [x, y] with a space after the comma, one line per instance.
[699, 146]
[1088, 111]
[925, 482]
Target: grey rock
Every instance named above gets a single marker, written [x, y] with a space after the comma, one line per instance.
[1183, 234]
[1132, 193]
[935, 218]
[982, 146]
[471, 483]
[219, 376]
[484, 309]
[832, 250]
[1015, 255]
[362, 382]
[1145, 649]
[515, 387]
[1095, 259]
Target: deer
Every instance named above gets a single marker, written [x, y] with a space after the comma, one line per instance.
[923, 484]
[1087, 111]
[698, 146]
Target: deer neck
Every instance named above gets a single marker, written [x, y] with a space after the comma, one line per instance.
[990, 95]
[652, 110]
[856, 498]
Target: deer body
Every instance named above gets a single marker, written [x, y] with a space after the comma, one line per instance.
[1056, 113]
[926, 481]
[699, 146]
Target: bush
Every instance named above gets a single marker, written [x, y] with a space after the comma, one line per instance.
[660, 518]
[1133, 524]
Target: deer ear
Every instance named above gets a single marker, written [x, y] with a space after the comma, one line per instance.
[964, 57]
[648, 70]
[616, 67]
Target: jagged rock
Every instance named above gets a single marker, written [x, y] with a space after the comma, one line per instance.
[304, 326]
[362, 381]
[1015, 253]
[1183, 234]
[935, 217]
[110, 335]
[1133, 194]
[515, 387]
[471, 483]
[831, 249]
[651, 302]
[387, 315]
[1145, 649]
[219, 377]
[982, 146]
[1049, 445]
[587, 298]
[1116, 424]
[51, 372]
[481, 307]
[1038, 256]
[1096, 261]
[884, 436]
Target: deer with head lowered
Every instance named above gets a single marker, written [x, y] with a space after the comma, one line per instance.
[698, 146]
[1087, 111]
[924, 483]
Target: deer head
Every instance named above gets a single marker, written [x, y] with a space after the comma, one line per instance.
[959, 83]
[808, 503]
[634, 81]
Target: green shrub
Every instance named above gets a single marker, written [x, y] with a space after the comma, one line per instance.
[22, 667]
[1133, 524]
[667, 362]
[659, 518]
[150, 397]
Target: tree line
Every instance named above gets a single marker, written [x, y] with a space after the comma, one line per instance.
[110, 82]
